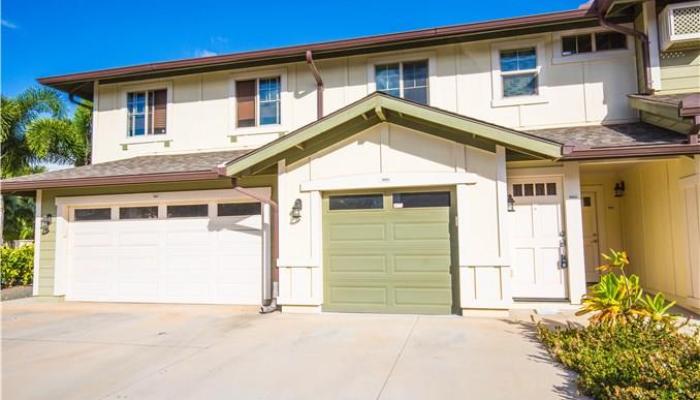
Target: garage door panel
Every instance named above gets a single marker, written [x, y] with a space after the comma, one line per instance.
[422, 262]
[354, 263]
[353, 232]
[183, 260]
[395, 260]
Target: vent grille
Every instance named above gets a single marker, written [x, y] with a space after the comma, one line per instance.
[686, 20]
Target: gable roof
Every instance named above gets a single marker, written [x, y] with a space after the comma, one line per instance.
[81, 84]
[379, 107]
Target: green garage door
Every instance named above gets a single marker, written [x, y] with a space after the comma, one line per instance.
[388, 252]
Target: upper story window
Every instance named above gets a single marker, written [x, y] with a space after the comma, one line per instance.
[408, 80]
[146, 112]
[258, 102]
[519, 72]
[592, 42]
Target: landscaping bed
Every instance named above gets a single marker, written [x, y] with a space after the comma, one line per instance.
[628, 361]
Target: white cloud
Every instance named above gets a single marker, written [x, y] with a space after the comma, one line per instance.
[8, 24]
[204, 53]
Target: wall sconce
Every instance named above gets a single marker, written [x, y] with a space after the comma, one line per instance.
[296, 209]
[45, 224]
[511, 203]
[620, 189]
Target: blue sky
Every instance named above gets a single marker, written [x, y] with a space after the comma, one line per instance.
[43, 38]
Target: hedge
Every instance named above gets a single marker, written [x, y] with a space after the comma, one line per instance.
[17, 265]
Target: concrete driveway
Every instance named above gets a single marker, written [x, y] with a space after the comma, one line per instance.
[137, 351]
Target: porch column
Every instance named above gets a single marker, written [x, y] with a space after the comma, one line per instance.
[574, 232]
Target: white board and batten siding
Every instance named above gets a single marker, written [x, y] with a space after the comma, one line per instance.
[389, 156]
[209, 259]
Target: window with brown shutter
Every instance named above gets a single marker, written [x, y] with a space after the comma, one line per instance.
[147, 112]
[245, 103]
[160, 102]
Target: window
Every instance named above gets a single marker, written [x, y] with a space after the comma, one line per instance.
[592, 42]
[419, 200]
[146, 112]
[576, 44]
[235, 209]
[519, 72]
[408, 80]
[93, 214]
[356, 202]
[188, 211]
[610, 41]
[536, 189]
[258, 102]
[138, 212]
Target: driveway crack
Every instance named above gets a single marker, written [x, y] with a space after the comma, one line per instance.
[398, 357]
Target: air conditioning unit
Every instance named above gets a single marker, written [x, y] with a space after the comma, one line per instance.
[679, 26]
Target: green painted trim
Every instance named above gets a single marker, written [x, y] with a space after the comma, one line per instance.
[664, 110]
[366, 109]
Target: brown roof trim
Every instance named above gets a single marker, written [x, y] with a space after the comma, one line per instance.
[329, 49]
[14, 186]
[633, 151]
[690, 105]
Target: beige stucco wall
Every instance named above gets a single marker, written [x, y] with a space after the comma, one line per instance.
[381, 157]
[200, 115]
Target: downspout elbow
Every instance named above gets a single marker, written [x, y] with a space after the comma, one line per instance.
[641, 36]
[319, 83]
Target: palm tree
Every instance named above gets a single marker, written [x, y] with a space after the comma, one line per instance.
[35, 131]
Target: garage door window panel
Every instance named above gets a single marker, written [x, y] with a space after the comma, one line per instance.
[93, 214]
[148, 212]
[238, 209]
[421, 199]
[188, 211]
[357, 202]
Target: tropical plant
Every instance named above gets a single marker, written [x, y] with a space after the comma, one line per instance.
[619, 298]
[16, 265]
[35, 131]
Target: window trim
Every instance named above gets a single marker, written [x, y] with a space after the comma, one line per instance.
[284, 104]
[155, 85]
[558, 58]
[497, 98]
[430, 56]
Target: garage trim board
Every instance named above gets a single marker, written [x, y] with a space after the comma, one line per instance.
[212, 236]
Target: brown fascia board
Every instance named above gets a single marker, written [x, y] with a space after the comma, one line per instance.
[71, 82]
[16, 186]
[633, 151]
[690, 105]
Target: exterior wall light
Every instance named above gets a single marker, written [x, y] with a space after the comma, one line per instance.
[620, 189]
[296, 209]
[45, 223]
[511, 203]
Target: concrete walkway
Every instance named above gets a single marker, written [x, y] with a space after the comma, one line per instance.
[136, 351]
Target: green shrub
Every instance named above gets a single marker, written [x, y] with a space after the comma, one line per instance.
[17, 265]
[636, 360]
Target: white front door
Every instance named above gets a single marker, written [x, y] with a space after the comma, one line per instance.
[197, 252]
[591, 247]
[537, 234]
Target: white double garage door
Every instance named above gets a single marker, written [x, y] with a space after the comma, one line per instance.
[188, 247]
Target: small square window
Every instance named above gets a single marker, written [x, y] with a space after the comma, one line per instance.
[188, 211]
[528, 189]
[517, 190]
[551, 189]
[586, 201]
[237, 209]
[93, 214]
[138, 212]
[539, 189]
[577, 44]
